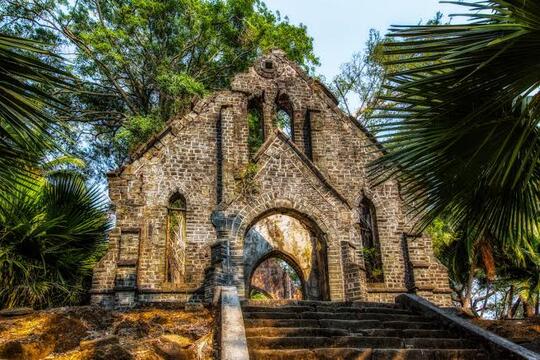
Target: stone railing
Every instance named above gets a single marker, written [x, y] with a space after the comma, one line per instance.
[496, 346]
[233, 345]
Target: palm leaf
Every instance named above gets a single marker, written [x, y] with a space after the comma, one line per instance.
[26, 126]
[51, 235]
[461, 125]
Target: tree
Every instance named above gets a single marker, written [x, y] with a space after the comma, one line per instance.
[52, 226]
[145, 61]
[52, 232]
[360, 84]
[461, 127]
[360, 80]
[26, 127]
[514, 289]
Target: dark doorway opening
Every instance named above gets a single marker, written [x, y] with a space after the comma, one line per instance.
[276, 279]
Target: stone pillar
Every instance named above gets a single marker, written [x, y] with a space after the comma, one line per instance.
[228, 155]
[354, 272]
[269, 113]
[125, 282]
[220, 272]
[318, 144]
[425, 275]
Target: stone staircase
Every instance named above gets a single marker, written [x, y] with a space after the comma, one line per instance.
[335, 330]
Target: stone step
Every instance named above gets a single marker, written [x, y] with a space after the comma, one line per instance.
[351, 325]
[325, 309]
[438, 343]
[367, 354]
[282, 323]
[329, 332]
[424, 324]
[265, 309]
[308, 342]
[313, 303]
[311, 342]
[330, 315]
[355, 325]
[295, 331]
[405, 333]
[312, 354]
[369, 309]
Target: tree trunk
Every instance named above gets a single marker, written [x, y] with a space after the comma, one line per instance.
[488, 288]
[537, 311]
[466, 302]
[528, 308]
[514, 309]
[509, 301]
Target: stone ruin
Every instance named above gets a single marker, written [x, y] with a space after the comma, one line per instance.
[271, 168]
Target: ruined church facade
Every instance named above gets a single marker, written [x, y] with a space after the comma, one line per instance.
[188, 202]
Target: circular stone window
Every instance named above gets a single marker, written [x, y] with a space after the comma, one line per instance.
[269, 67]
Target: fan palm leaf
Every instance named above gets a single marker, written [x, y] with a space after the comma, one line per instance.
[51, 236]
[26, 125]
[461, 125]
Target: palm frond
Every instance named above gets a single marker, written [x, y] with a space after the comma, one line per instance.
[462, 124]
[26, 126]
[51, 236]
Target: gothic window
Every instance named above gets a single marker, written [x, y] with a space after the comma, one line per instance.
[176, 239]
[284, 116]
[255, 126]
[370, 241]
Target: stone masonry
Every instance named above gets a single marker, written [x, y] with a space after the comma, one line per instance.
[316, 174]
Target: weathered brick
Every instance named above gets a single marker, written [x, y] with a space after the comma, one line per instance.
[319, 175]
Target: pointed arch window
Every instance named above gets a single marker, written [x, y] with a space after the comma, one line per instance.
[176, 239]
[370, 241]
[255, 126]
[284, 116]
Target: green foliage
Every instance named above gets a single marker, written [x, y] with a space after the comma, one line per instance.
[255, 131]
[373, 264]
[257, 295]
[177, 84]
[360, 80]
[26, 130]
[149, 59]
[52, 227]
[461, 125]
[473, 289]
[360, 85]
[136, 130]
[442, 235]
[284, 122]
[52, 233]
[247, 185]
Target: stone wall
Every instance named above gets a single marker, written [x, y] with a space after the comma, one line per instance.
[318, 175]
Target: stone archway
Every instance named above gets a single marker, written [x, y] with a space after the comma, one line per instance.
[293, 237]
[277, 276]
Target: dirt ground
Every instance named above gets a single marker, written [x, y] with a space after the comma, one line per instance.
[85, 332]
[523, 332]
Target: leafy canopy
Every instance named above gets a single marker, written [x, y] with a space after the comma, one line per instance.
[145, 60]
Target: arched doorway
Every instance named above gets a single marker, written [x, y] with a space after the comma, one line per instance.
[286, 249]
[276, 277]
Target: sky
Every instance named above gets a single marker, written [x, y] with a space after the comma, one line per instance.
[340, 27]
